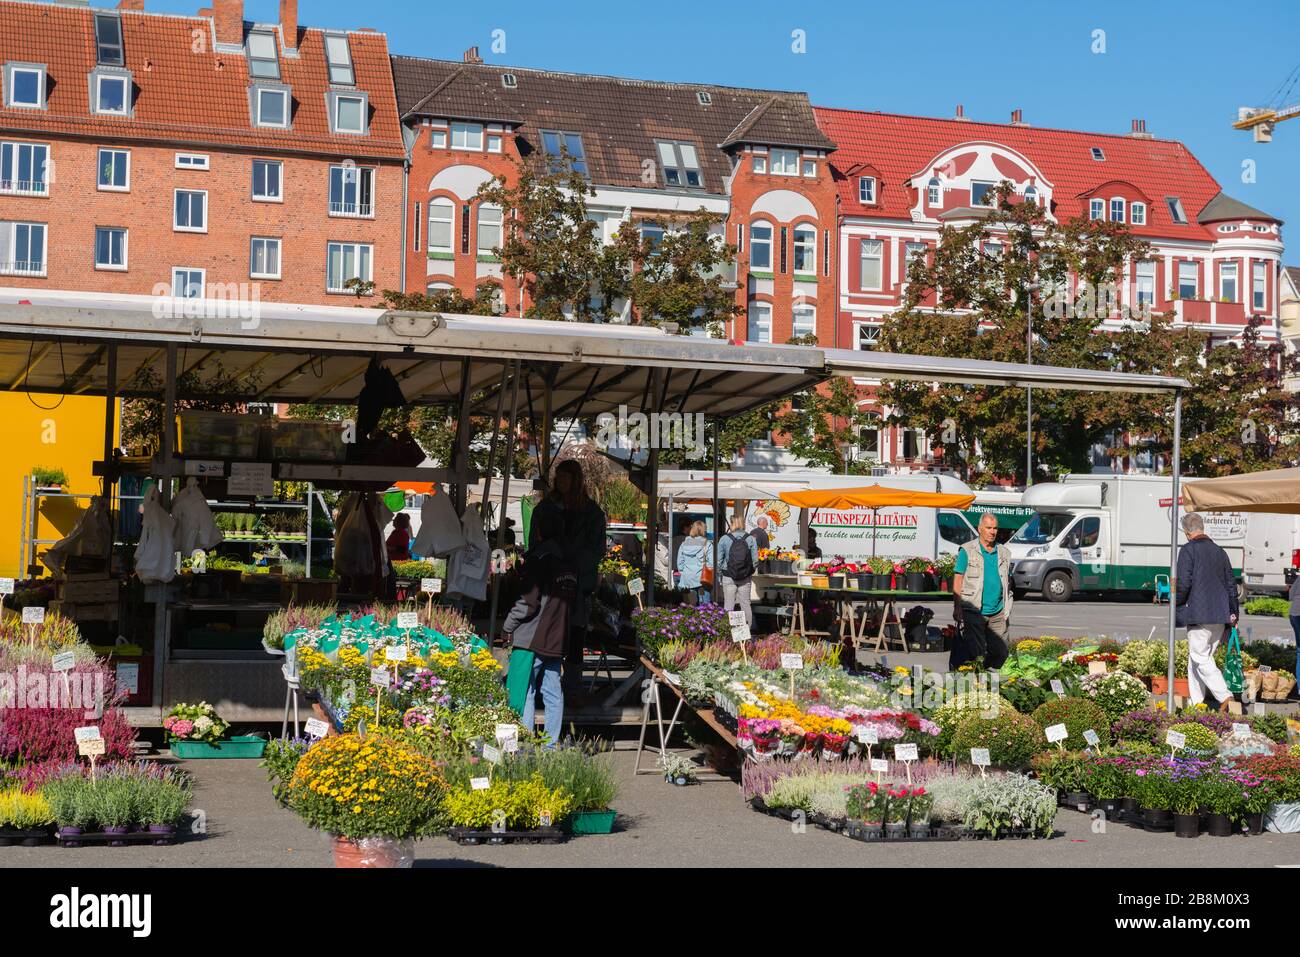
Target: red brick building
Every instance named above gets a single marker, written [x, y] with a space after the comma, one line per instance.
[146, 153]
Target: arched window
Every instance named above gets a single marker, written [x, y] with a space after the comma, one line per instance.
[934, 192]
[1031, 194]
[441, 216]
[760, 246]
[805, 249]
[803, 320]
[760, 322]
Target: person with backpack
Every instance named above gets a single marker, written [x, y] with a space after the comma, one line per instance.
[538, 628]
[737, 558]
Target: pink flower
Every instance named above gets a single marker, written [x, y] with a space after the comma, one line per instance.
[181, 728]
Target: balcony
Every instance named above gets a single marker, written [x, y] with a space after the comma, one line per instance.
[1209, 312]
[24, 187]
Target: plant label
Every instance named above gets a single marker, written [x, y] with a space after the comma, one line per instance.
[1240, 730]
[980, 757]
[395, 653]
[1096, 667]
[381, 677]
[251, 479]
[316, 728]
[431, 586]
[6, 586]
[868, 735]
[792, 662]
[1263, 669]
[1092, 737]
[406, 620]
[64, 661]
[491, 754]
[1175, 739]
[1056, 732]
[879, 766]
[89, 733]
[91, 749]
[740, 632]
[905, 752]
[736, 618]
[128, 676]
[33, 615]
[480, 784]
[1058, 687]
[507, 736]
[635, 586]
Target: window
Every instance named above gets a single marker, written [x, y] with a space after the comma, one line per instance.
[1138, 214]
[1096, 208]
[112, 93]
[760, 246]
[1259, 285]
[23, 168]
[441, 217]
[114, 169]
[866, 190]
[191, 215]
[993, 250]
[264, 258]
[760, 322]
[348, 112]
[868, 449]
[652, 232]
[346, 261]
[467, 136]
[187, 283]
[953, 528]
[704, 97]
[804, 320]
[339, 58]
[509, 81]
[268, 177]
[557, 145]
[1117, 210]
[1031, 194]
[759, 163]
[438, 138]
[805, 249]
[1176, 209]
[1146, 284]
[981, 193]
[915, 252]
[934, 192]
[1187, 280]
[680, 164]
[868, 336]
[110, 247]
[785, 162]
[263, 59]
[22, 249]
[352, 190]
[1098, 155]
[191, 160]
[489, 230]
[494, 143]
[872, 272]
[25, 85]
[108, 40]
[810, 168]
[1228, 281]
[271, 107]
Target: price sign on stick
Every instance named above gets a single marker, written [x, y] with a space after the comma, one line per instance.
[33, 615]
[1175, 740]
[868, 735]
[395, 653]
[431, 586]
[739, 631]
[480, 784]
[1240, 730]
[1092, 737]
[980, 758]
[6, 588]
[381, 679]
[636, 587]
[90, 744]
[792, 662]
[406, 620]
[64, 661]
[879, 766]
[1058, 687]
[907, 754]
[491, 754]
[1056, 733]
[316, 728]
[507, 736]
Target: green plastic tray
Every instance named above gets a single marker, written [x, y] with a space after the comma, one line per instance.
[241, 746]
[592, 822]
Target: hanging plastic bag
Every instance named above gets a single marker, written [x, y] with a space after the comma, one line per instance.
[155, 560]
[468, 567]
[440, 530]
[354, 544]
[92, 536]
[195, 526]
[1232, 672]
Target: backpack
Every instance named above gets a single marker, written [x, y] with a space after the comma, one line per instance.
[740, 563]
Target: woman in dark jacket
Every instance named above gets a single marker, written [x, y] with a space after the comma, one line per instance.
[539, 622]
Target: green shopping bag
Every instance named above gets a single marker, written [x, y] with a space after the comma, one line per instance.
[518, 676]
[1232, 672]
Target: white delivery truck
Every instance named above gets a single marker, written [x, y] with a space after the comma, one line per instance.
[1272, 552]
[1095, 533]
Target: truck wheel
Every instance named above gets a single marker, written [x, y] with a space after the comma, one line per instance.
[1058, 587]
[1241, 592]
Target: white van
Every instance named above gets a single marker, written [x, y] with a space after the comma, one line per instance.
[1272, 552]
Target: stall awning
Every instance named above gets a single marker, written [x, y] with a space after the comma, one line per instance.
[874, 496]
[1275, 491]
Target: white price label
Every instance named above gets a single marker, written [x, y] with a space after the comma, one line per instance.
[381, 677]
[6, 586]
[406, 620]
[33, 615]
[868, 735]
[491, 754]
[431, 586]
[792, 662]
[736, 618]
[880, 765]
[740, 632]
[250, 479]
[1240, 730]
[980, 757]
[89, 733]
[1264, 669]
[1056, 732]
[480, 784]
[507, 732]
[635, 586]
[128, 677]
[92, 748]
[63, 661]
[316, 728]
[1057, 686]
[905, 752]
[1092, 737]
[395, 653]
[1175, 739]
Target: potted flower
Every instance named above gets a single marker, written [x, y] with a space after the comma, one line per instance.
[1103, 779]
[163, 803]
[372, 795]
[914, 573]
[833, 744]
[919, 813]
[867, 803]
[1187, 795]
[881, 569]
[70, 803]
[945, 566]
[765, 734]
[1155, 795]
[197, 731]
[1259, 796]
[49, 478]
[115, 803]
[1224, 801]
[898, 576]
[677, 769]
[896, 813]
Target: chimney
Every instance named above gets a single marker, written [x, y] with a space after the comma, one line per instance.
[1017, 118]
[289, 23]
[471, 55]
[228, 20]
[961, 112]
[1139, 131]
[130, 4]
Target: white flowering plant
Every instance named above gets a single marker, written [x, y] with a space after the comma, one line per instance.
[195, 722]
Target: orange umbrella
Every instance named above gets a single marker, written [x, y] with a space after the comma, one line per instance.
[875, 496]
[419, 488]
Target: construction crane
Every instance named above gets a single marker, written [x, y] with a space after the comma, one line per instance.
[1261, 120]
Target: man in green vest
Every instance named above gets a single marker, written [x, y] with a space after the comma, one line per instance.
[981, 587]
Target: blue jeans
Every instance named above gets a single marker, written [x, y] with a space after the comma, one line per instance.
[546, 673]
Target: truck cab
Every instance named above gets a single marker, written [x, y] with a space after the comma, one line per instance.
[1060, 551]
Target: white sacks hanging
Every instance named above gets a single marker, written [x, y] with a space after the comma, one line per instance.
[360, 536]
[195, 527]
[440, 530]
[468, 566]
[155, 560]
[91, 536]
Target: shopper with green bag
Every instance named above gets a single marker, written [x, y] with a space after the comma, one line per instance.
[1233, 674]
[538, 625]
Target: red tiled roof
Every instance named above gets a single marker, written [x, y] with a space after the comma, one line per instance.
[186, 97]
[901, 146]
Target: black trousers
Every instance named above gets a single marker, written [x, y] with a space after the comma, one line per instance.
[978, 637]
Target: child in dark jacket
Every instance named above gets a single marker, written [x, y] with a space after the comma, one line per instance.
[539, 623]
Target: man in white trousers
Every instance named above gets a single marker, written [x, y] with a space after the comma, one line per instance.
[1207, 605]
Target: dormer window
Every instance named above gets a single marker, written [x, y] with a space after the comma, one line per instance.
[1096, 209]
[348, 112]
[564, 150]
[339, 58]
[25, 85]
[509, 81]
[704, 97]
[1031, 194]
[934, 192]
[1137, 214]
[270, 106]
[981, 193]
[110, 93]
[1098, 155]
[108, 40]
[263, 58]
[867, 190]
[1117, 210]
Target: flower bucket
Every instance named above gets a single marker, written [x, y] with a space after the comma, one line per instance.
[240, 746]
[882, 582]
[1254, 823]
[1218, 825]
[1157, 819]
[1160, 685]
[373, 852]
[915, 581]
[1187, 825]
[592, 822]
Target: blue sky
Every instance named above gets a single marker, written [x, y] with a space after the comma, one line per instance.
[1183, 66]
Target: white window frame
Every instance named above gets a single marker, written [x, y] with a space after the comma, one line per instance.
[754, 322]
[176, 226]
[1031, 194]
[1259, 285]
[1227, 267]
[269, 36]
[1096, 209]
[758, 163]
[809, 230]
[1176, 211]
[279, 257]
[42, 83]
[765, 243]
[867, 190]
[115, 76]
[278, 196]
[495, 142]
[1116, 203]
[189, 270]
[332, 64]
[126, 250]
[807, 309]
[1137, 213]
[784, 162]
[12, 227]
[357, 247]
[336, 98]
[14, 148]
[934, 192]
[863, 339]
[99, 167]
[1194, 268]
[438, 137]
[258, 93]
[992, 186]
[361, 212]
[679, 164]
[1142, 294]
[463, 131]
[879, 258]
[479, 229]
[809, 167]
[442, 203]
[193, 161]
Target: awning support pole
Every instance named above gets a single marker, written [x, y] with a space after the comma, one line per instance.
[652, 503]
[717, 527]
[162, 623]
[486, 502]
[110, 419]
[1173, 544]
[505, 488]
[461, 454]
